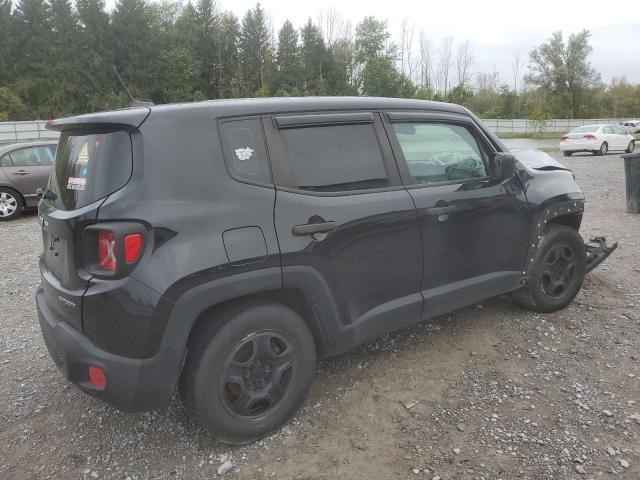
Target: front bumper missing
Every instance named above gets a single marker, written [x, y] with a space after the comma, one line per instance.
[597, 251]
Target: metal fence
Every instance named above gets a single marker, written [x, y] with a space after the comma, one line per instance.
[25, 131]
[557, 125]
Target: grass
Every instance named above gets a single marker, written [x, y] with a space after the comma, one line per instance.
[535, 136]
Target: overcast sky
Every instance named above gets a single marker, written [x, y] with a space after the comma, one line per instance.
[495, 28]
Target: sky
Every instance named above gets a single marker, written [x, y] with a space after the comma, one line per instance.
[496, 29]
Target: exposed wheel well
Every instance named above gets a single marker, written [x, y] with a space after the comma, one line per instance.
[213, 317]
[572, 220]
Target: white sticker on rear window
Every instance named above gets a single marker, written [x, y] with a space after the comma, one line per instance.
[83, 156]
[244, 153]
[76, 183]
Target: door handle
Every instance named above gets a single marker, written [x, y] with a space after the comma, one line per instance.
[21, 172]
[436, 211]
[311, 228]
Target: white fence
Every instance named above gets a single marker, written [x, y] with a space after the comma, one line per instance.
[24, 131]
[522, 125]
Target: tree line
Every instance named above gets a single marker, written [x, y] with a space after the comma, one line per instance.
[56, 59]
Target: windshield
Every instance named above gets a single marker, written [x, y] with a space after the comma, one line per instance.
[89, 167]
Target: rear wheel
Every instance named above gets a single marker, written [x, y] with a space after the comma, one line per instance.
[557, 272]
[631, 147]
[243, 380]
[10, 204]
[604, 148]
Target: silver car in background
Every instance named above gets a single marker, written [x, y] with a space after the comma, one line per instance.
[24, 168]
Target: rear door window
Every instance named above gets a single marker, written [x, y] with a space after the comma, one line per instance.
[89, 167]
[32, 157]
[335, 158]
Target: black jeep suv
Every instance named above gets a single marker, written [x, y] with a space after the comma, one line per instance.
[221, 247]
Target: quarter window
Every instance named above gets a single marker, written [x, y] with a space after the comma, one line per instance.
[335, 158]
[244, 150]
[5, 161]
[439, 152]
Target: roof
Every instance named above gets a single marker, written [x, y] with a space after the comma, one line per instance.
[133, 117]
[247, 106]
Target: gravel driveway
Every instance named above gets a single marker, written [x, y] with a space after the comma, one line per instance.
[490, 392]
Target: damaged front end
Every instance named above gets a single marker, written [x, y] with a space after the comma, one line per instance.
[597, 251]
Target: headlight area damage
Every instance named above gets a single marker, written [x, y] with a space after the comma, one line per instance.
[549, 180]
[598, 251]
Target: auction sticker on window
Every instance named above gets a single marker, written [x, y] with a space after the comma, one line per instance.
[76, 183]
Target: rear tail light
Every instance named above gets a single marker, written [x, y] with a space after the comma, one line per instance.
[589, 137]
[106, 251]
[113, 249]
[132, 247]
[564, 137]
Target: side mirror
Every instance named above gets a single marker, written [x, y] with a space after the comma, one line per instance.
[504, 166]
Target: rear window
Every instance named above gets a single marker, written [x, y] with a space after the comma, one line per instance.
[335, 158]
[89, 167]
[587, 129]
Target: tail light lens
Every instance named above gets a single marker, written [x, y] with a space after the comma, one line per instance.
[106, 251]
[564, 137]
[589, 137]
[132, 247]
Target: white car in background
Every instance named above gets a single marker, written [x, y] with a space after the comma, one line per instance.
[632, 126]
[598, 139]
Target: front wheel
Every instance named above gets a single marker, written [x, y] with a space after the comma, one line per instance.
[243, 380]
[631, 147]
[566, 153]
[557, 272]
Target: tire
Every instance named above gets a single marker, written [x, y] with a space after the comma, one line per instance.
[604, 148]
[249, 346]
[566, 153]
[10, 204]
[543, 292]
[631, 147]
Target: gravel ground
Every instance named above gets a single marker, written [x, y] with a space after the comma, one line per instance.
[490, 392]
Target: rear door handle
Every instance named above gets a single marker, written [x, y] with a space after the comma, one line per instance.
[436, 211]
[311, 228]
[21, 172]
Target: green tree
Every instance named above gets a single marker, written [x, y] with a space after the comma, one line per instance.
[564, 70]
[255, 50]
[287, 60]
[7, 59]
[130, 37]
[314, 58]
[227, 71]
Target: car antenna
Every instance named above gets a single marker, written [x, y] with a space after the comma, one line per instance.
[134, 101]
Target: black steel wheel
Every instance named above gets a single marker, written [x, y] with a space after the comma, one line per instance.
[257, 374]
[247, 371]
[557, 272]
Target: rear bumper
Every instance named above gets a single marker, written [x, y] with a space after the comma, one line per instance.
[131, 384]
[583, 146]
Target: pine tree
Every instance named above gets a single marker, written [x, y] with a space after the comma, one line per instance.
[287, 60]
[255, 50]
[314, 58]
